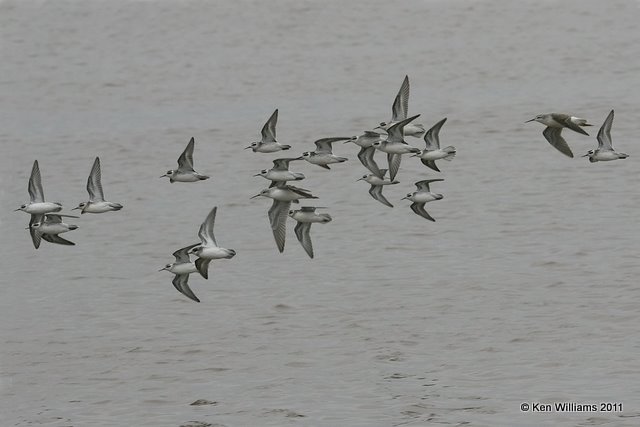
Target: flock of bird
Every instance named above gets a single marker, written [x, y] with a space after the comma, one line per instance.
[389, 137]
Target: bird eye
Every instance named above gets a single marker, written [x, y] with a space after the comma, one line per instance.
[383, 124]
[35, 224]
[23, 206]
[263, 171]
[168, 266]
[169, 172]
[291, 212]
[409, 195]
[364, 176]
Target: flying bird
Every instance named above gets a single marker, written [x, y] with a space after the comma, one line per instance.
[605, 151]
[185, 172]
[554, 123]
[433, 152]
[208, 248]
[305, 216]
[268, 143]
[181, 268]
[423, 195]
[96, 203]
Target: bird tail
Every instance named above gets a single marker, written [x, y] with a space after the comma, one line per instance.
[286, 147]
[451, 152]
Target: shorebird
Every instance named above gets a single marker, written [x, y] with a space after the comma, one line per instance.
[306, 216]
[48, 227]
[367, 150]
[280, 171]
[282, 196]
[554, 123]
[185, 172]
[395, 146]
[268, 143]
[376, 186]
[37, 205]
[433, 152]
[208, 249]
[605, 151]
[423, 195]
[182, 267]
[323, 156]
[96, 203]
[400, 110]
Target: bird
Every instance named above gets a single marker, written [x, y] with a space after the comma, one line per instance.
[282, 195]
[395, 146]
[185, 172]
[433, 152]
[268, 143]
[422, 196]
[367, 150]
[323, 156]
[37, 205]
[554, 123]
[48, 227]
[182, 267]
[400, 110]
[208, 249]
[305, 216]
[96, 203]
[376, 186]
[280, 171]
[605, 151]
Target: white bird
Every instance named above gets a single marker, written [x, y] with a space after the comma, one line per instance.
[400, 110]
[376, 186]
[185, 172]
[280, 171]
[605, 151]
[395, 146]
[208, 249]
[323, 156]
[48, 227]
[306, 216]
[182, 267]
[367, 150]
[96, 203]
[37, 205]
[282, 196]
[268, 143]
[422, 196]
[554, 123]
[433, 152]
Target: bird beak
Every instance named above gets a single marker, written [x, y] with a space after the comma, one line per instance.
[16, 210]
[404, 198]
[299, 158]
[257, 195]
[586, 155]
[163, 269]
[77, 207]
[359, 179]
[530, 120]
[246, 148]
[164, 175]
[257, 174]
[416, 155]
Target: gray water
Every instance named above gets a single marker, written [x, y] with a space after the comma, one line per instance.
[524, 290]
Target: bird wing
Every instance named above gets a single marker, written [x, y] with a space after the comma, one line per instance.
[394, 164]
[400, 107]
[366, 158]
[269, 128]
[604, 134]
[376, 193]
[182, 254]
[553, 135]
[324, 145]
[206, 229]
[36, 236]
[35, 184]
[94, 183]
[185, 161]
[396, 132]
[431, 138]
[431, 164]
[181, 283]
[283, 163]
[278, 218]
[419, 209]
[565, 119]
[302, 233]
[202, 265]
[424, 184]
[54, 238]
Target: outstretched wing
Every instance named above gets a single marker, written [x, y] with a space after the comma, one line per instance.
[181, 283]
[182, 254]
[553, 135]
[324, 145]
[604, 134]
[202, 265]
[424, 184]
[269, 128]
[36, 236]
[283, 164]
[565, 119]
[35, 184]
[185, 161]
[431, 164]
[400, 107]
[431, 138]
[396, 132]
[418, 208]
[94, 183]
[366, 158]
[376, 193]
[206, 229]
[394, 164]
[54, 238]
[302, 233]
[278, 218]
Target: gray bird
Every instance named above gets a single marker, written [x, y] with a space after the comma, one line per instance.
[554, 123]
[306, 216]
[185, 172]
[605, 151]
